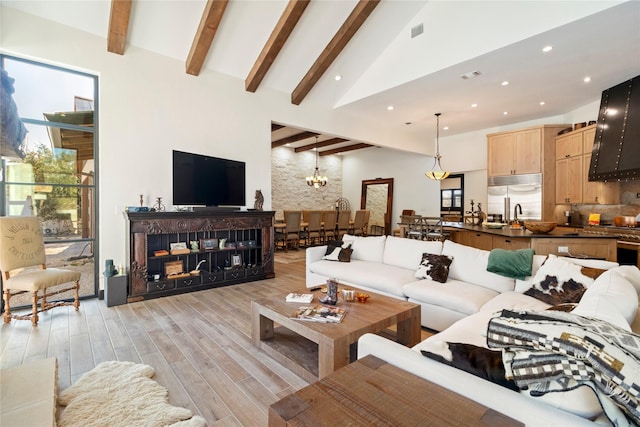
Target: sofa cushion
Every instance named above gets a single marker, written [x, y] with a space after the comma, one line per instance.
[559, 281]
[611, 297]
[514, 301]
[372, 275]
[368, 248]
[434, 267]
[407, 253]
[455, 295]
[470, 265]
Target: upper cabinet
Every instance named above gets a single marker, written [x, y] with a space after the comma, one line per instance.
[573, 157]
[521, 151]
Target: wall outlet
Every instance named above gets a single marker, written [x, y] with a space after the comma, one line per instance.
[563, 249]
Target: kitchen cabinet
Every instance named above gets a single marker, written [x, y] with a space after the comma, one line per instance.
[480, 240]
[569, 145]
[509, 243]
[515, 153]
[573, 158]
[568, 179]
[602, 246]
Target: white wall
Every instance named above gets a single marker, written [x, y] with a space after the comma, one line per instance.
[150, 106]
[411, 189]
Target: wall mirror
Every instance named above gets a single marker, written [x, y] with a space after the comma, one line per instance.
[377, 197]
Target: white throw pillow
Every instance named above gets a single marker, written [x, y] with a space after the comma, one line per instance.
[407, 253]
[370, 248]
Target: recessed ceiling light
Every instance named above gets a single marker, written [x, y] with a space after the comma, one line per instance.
[542, 102]
[547, 48]
[504, 83]
[338, 77]
[474, 105]
[390, 108]
[505, 113]
[446, 128]
[587, 79]
[287, 145]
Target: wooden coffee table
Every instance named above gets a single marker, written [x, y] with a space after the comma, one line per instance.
[314, 350]
[371, 392]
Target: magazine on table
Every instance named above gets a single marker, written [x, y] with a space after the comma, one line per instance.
[303, 298]
[320, 313]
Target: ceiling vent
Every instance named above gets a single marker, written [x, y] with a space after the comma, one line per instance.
[470, 75]
[417, 30]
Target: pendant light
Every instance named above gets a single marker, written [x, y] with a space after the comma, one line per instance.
[436, 173]
[317, 181]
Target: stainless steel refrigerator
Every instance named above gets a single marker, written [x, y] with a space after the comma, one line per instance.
[505, 192]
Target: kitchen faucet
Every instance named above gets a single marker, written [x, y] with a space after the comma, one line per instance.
[515, 212]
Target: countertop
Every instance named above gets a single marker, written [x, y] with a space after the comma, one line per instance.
[507, 232]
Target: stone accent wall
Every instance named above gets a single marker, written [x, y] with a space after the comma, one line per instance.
[289, 190]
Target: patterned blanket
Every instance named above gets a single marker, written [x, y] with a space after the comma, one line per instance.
[553, 351]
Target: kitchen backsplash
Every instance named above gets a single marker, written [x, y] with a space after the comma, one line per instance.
[629, 206]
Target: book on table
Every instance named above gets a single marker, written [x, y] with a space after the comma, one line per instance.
[320, 313]
[303, 298]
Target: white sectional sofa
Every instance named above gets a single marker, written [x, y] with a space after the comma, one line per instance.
[387, 265]
[612, 297]
[461, 309]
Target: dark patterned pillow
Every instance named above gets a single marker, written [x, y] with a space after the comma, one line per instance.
[337, 250]
[434, 267]
[479, 361]
[558, 282]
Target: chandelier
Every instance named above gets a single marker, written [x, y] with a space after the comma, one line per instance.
[436, 172]
[317, 181]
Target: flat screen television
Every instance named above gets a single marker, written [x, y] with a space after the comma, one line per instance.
[210, 181]
[616, 149]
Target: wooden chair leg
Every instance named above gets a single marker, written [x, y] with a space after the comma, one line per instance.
[76, 300]
[34, 308]
[7, 306]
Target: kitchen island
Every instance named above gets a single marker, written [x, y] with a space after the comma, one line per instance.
[559, 242]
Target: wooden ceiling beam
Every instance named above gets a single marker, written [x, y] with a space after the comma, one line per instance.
[344, 34]
[328, 142]
[293, 138]
[276, 126]
[118, 25]
[277, 39]
[209, 23]
[343, 149]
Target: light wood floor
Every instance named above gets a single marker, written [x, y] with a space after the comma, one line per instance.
[198, 343]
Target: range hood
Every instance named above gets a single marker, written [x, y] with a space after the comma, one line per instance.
[616, 149]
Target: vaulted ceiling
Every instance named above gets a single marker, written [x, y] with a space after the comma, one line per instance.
[399, 61]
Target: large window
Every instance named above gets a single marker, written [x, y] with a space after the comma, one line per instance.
[51, 172]
[452, 196]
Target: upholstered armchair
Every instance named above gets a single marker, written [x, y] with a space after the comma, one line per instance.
[24, 270]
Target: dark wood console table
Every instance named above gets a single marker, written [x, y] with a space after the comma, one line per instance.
[248, 239]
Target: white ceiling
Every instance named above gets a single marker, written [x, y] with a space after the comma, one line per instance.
[383, 65]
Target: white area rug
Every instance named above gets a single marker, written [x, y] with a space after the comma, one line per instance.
[121, 394]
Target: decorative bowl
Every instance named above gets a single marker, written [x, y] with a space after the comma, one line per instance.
[540, 227]
[362, 297]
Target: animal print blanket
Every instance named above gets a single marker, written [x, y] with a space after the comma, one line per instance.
[553, 351]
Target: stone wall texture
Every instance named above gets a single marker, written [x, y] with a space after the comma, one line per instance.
[289, 188]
